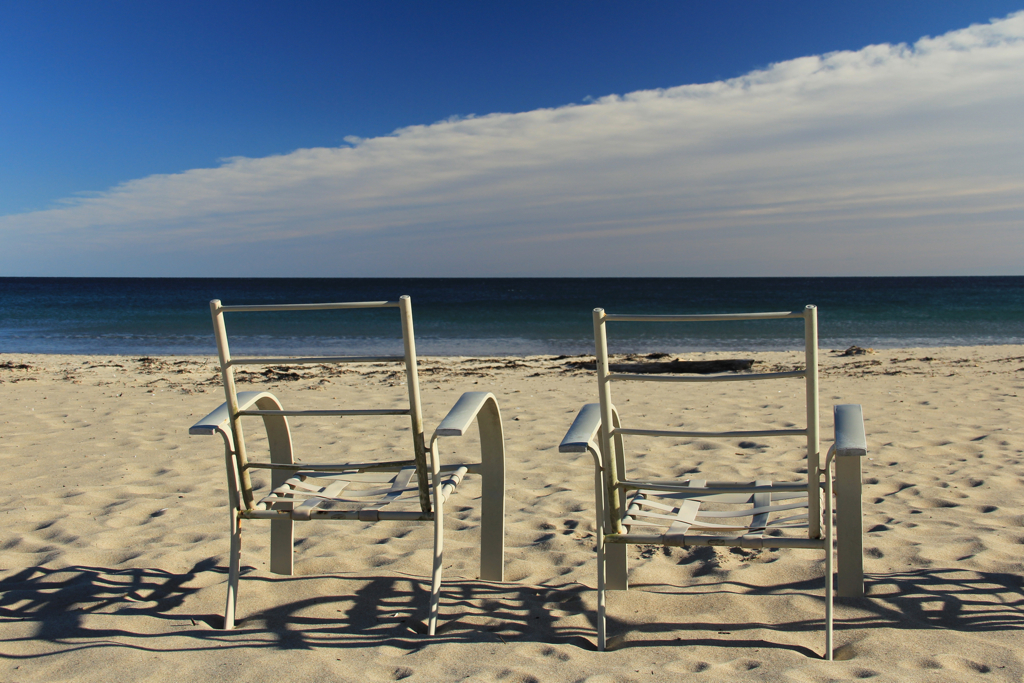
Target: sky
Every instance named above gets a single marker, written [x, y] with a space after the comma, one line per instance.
[572, 138]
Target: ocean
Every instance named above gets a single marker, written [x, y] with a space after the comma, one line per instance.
[501, 316]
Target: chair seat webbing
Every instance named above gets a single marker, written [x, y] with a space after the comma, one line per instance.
[306, 493]
[683, 519]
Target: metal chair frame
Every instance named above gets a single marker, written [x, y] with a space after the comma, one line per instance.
[622, 503]
[305, 491]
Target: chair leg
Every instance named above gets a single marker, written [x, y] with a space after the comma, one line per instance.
[601, 633]
[492, 499]
[829, 568]
[615, 560]
[849, 545]
[282, 536]
[435, 577]
[601, 505]
[234, 558]
[282, 544]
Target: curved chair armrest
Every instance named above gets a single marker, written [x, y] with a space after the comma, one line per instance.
[583, 430]
[849, 446]
[217, 421]
[462, 414]
[849, 430]
[482, 407]
[214, 423]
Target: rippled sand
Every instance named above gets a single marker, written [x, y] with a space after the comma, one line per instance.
[113, 547]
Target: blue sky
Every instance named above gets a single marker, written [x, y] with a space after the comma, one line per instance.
[369, 138]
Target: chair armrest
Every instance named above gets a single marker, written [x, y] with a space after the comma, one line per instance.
[849, 430]
[216, 422]
[480, 407]
[462, 414]
[583, 429]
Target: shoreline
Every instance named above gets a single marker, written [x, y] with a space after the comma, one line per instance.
[113, 552]
[577, 347]
[199, 370]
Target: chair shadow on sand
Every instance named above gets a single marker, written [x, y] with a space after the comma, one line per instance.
[392, 611]
[919, 599]
[363, 611]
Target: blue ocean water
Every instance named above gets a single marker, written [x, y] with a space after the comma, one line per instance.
[506, 316]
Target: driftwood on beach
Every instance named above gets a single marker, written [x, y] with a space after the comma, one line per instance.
[697, 367]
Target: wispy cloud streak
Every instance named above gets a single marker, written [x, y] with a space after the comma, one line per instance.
[888, 160]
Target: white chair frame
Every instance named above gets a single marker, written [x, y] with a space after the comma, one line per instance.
[296, 491]
[620, 501]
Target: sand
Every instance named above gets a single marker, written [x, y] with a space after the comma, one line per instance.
[115, 534]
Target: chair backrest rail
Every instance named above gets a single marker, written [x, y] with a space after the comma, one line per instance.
[306, 307]
[813, 426]
[327, 413]
[708, 378]
[408, 358]
[708, 435]
[779, 315]
[315, 360]
[611, 432]
[412, 383]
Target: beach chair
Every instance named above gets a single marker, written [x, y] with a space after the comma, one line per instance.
[412, 489]
[744, 514]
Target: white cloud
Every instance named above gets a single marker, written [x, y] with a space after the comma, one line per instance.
[888, 160]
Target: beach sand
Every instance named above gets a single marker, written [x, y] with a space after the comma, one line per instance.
[115, 535]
